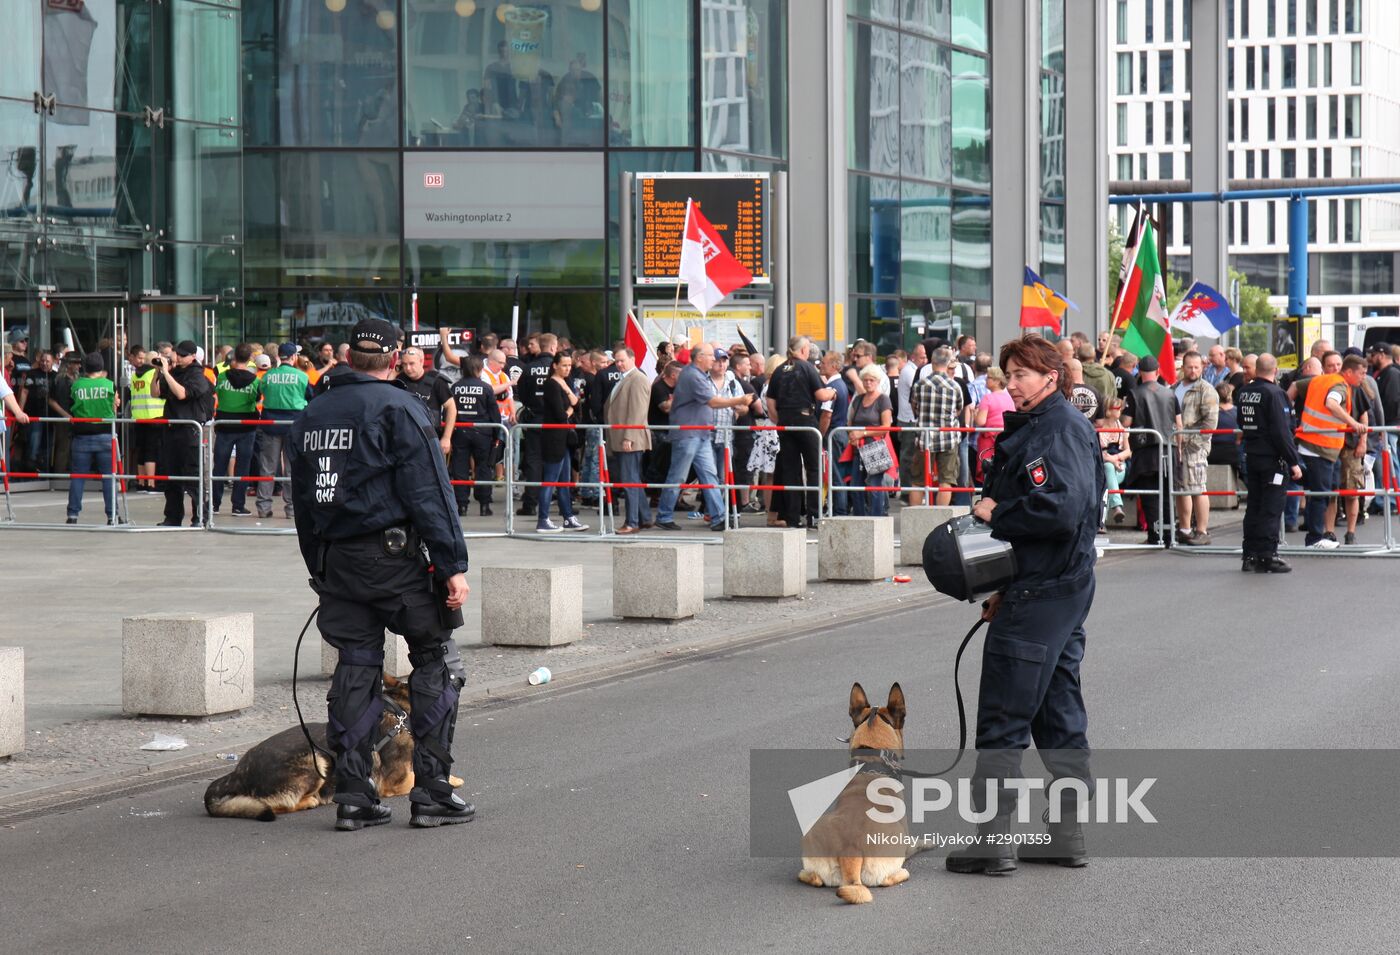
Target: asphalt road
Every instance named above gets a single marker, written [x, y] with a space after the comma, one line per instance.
[614, 817]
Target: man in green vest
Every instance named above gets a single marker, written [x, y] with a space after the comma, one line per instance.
[94, 444]
[145, 438]
[284, 391]
[236, 394]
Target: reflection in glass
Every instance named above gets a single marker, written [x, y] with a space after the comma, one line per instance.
[204, 63]
[1052, 136]
[721, 162]
[929, 16]
[881, 11]
[925, 110]
[20, 67]
[972, 245]
[322, 218]
[872, 56]
[1052, 35]
[201, 269]
[20, 183]
[926, 240]
[97, 172]
[1052, 244]
[878, 321]
[320, 74]
[649, 96]
[970, 24]
[503, 75]
[304, 316]
[971, 108]
[205, 184]
[744, 65]
[875, 235]
[81, 263]
[97, 55]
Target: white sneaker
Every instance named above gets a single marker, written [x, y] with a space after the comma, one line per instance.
[573, 524]
[1324, 544]
[548, 527]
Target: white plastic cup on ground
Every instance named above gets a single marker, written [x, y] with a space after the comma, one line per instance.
[542, 675]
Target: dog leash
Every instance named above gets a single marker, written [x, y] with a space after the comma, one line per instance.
[890, 760]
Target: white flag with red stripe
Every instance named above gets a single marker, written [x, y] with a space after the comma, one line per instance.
[707, 267]
[641, 348]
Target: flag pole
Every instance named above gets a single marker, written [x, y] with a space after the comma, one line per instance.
[685, 229]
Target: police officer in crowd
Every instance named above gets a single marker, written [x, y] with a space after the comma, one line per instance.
[793, 396]
[189, 396]
[284, 390]
[538, 369]
[474, 448]
[1041, 495]
[1271, 459]
[433, 390]
[374, 521]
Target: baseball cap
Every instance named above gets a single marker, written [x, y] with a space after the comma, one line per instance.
[1353, 350]
[94, 362]
[263, 361]
[374, 336]
[186, 348]
[18, 335]
[1148, 363]
[721, 355]
[287, 350]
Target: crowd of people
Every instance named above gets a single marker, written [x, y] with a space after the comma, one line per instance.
[697, 442]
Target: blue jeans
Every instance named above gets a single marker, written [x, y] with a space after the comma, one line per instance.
[1319, 475]
[966, 455]
[37, 434]
[556, 472]
[627, 467]
[842, 473]
[91, 454]
[868, 503]
[231, 442]
[588, 470]
[689, 448]
[1113, 478]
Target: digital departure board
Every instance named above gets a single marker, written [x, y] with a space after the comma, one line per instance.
[735, 203]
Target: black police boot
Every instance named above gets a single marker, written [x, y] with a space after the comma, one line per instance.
[462, 510]
[435, 804]
[350, 818]
[1273, 564]
[486, 510]
[1248, 564]
[993, 853]
[1066, 847]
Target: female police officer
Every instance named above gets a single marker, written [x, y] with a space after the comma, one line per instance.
[1042, 496]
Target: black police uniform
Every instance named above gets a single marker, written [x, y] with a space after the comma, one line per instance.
[531, 392]
[1270, 455]
[1047, 482]
[1152, 406]
[180, 447]
[793, 388]
[371, 496]
[473, 448]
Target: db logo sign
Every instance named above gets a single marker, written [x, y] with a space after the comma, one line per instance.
[433, 180]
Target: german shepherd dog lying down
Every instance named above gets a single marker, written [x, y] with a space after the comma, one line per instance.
[278, 774]
[846, 849]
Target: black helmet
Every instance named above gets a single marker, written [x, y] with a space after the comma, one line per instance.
[963, 560]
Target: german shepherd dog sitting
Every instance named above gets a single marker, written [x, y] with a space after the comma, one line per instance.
[846, 848]
[278, 775]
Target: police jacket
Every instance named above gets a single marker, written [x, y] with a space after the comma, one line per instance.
[1266, 421]
[476, 402]
[532, 379]
[1047, 480]
[364, 456]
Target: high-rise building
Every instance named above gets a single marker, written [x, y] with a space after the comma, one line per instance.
[1307, 100]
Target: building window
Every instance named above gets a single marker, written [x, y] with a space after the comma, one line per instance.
[1125, 168]
[1169, 21]
[1292, 127]
[1122, 22]
[1312, 163]
[1142, 72]
[1289, 159]
[1271, 16]
[1244, 225]
[1334, 117]
[1290, 67]
[1249, 68]
[1244, 120]
[1166, 60]
[1264, 163]
[1230, 110]
[1148, 109]
[1270, 223]
[1249, 164]
[1229, 18]
[1312, 65]
[1169, 123]
[1244, 19]
[1310, 17]
[1310, 117]
[1122, 124]
[1327, 65]
[1230, 70]
[1332, 20]
[1353, 116]
[1271, 111]
[1334, 219]
[743, 67]
[1265, 59]
[1230, 223]
[1147, 11]
[1142, 166]
[1292, 18]
[1356, 162]
[1327, 162]
[1188, 211]
[1353, 220]
[1353, 16]
[1356, 64]
[1186, 122]
[650, 101]
[1125, 74]
[1312, 220]
[1164, 165]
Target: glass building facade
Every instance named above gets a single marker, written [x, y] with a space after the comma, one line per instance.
[121, 137]
[918, 155]
[343, 96]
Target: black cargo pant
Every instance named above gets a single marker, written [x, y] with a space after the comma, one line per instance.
[179, 457]
[364, 591]
[1263, 508]
[531, 460]
[473, 459]
[799, 463]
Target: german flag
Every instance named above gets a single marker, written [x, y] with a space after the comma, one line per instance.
[1042, 306]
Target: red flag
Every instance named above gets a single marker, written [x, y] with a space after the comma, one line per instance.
[707, 267]
[641, 348]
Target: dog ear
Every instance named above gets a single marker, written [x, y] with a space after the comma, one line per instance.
[895, 707]
[859, 704]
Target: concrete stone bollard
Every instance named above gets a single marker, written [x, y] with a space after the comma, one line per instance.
[855, 548]
[658, 581]
[1221, 477]
[395, 657]
[916, 523]
[187, 664]
[11, 701]
[765, 562]
[531, 606]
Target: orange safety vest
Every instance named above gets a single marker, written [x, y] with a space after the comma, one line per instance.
[1318, 425]
[495, 380]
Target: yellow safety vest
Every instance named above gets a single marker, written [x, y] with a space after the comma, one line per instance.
[143, 404]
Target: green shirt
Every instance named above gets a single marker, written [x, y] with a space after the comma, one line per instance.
[240, 401]
[284, 388]
[93, 398]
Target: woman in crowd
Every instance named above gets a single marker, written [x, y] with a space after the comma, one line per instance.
[764, 458]
[560, 405]
[1225, 445]
[871, 410]
[1113, 440]
[989, 415]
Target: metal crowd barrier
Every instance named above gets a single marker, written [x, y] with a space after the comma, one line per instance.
[116, 475]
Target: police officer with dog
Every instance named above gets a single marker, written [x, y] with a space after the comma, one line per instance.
[1271, 460]
[377, 527]
[1041, 496]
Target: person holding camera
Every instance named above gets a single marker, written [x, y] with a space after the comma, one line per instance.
[378, 530]
[189, 396]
